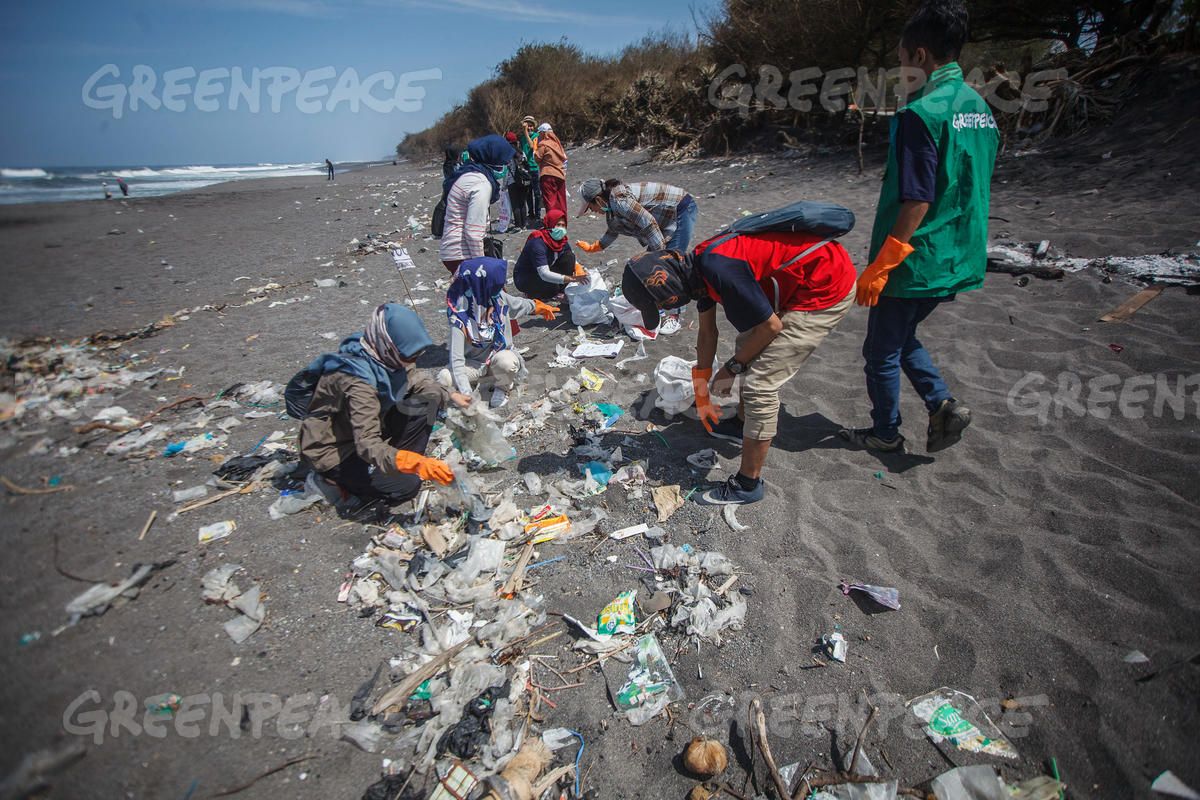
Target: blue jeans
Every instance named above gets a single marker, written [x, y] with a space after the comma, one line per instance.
[891, 346]
[685, 223]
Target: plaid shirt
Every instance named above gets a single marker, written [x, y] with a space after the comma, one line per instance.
[647, 211]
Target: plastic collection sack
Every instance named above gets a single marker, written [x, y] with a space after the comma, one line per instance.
[589, 301]
[475, 430]
[673, 382]
[673, 387]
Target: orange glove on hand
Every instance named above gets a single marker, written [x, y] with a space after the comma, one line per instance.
[580, 270]
[429, 469]
[545, 310]
[707, 412]
[875, 277]
[589, 247]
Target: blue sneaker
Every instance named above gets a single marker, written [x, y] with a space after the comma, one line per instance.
[731, 493]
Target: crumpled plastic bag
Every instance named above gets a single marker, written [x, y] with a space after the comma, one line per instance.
[589, 301]
[476, 430]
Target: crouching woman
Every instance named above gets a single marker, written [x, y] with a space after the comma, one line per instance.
[370, 412]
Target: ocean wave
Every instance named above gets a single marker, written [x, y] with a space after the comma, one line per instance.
[23, 173]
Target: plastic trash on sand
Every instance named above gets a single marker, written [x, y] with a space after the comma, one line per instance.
[883, 595]
[977, 782]
[589, 301]
[835, 646]
[954, 716]
[1169, 783]
[618, 616]
[215, 531]
[475, 430]
[293, 502]
[651, 684]
[97, 599]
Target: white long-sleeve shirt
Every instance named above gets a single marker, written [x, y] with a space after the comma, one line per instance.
[464, 353]
[466, 217]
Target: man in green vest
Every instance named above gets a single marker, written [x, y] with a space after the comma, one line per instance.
[930, 237]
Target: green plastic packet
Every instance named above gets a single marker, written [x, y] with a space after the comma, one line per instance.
[618, 616]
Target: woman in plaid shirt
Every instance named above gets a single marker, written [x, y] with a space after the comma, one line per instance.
[660, 216]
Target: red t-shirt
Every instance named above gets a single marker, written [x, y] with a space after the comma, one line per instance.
[741, 274]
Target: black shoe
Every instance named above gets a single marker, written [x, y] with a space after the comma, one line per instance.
[729, 429]
[867, 440]
[946, 425]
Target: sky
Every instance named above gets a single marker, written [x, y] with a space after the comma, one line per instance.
[69, 72]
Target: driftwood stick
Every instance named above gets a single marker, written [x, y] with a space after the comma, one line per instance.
[862, 738]
[760, 727]
[399, 694]
[15, 489]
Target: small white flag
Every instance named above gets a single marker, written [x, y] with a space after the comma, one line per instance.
[403, 259]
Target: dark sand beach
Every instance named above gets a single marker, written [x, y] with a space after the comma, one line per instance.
[1031, 558]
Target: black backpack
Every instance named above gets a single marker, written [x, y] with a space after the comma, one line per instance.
[299, 392]
[493, 247]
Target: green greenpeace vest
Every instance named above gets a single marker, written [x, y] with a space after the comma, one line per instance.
[950, 246]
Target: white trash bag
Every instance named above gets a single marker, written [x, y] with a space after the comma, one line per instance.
[673, 384]
[589, 301]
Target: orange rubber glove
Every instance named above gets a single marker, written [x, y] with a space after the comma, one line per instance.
[580, 270]
[707, 412]
[545, 310]
[875, 277]
[589, 247]
[429, 469]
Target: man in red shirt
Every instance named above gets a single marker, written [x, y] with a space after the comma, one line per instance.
[783, 292]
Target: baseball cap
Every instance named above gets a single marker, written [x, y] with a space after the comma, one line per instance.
[589, 190]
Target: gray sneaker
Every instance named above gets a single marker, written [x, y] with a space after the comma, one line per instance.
[867, 440]
[946, 425]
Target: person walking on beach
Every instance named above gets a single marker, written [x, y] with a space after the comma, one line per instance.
[481, 316]
[367, 412]
[930, 237]
[329, 167]
[547, 264]
[783, 292]
[660, 216]
[534, 198]
[468, 194]
[123, 186]
[552, 162]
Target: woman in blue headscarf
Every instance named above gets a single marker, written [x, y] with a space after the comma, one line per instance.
[366, 422]
[481, 318]
[467, 194]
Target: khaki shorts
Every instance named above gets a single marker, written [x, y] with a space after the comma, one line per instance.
[782, 358]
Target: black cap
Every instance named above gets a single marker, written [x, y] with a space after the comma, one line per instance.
[636, 293]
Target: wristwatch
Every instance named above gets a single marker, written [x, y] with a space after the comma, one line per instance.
[735, 367]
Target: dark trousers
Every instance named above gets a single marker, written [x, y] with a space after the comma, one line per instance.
[892, 347]
[405, 430]
[533, 203]
[517, 198]
[330, 174]
[533, 287]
